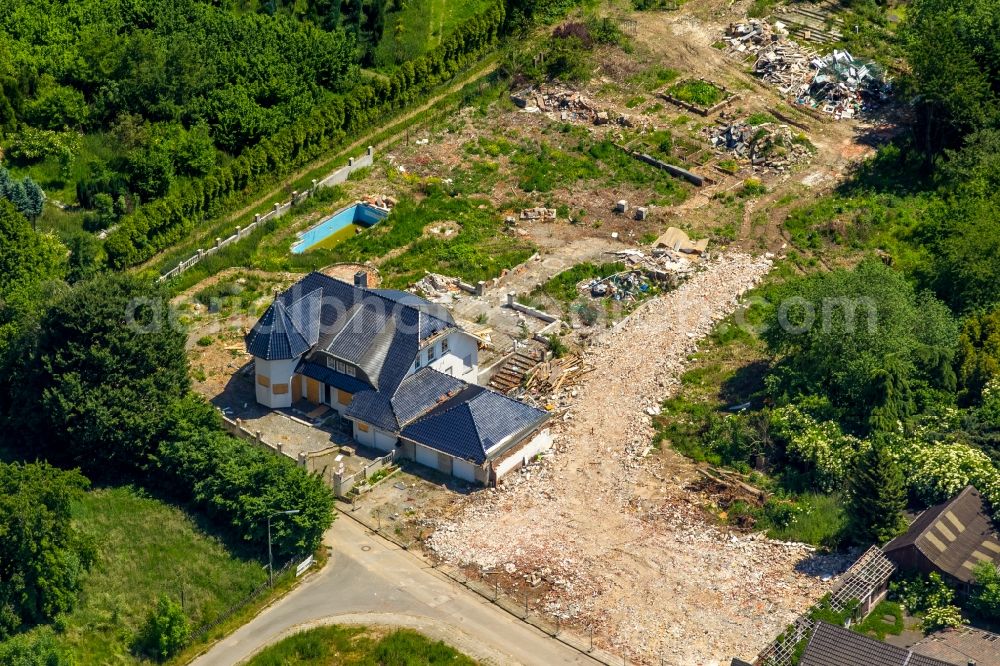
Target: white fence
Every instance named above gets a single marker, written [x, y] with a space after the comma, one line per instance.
[335, 178]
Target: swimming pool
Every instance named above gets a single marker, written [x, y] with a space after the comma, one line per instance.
[336, 226]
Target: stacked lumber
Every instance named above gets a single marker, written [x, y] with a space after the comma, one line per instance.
[559, 373]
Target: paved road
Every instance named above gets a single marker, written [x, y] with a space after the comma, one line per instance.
[370, 581]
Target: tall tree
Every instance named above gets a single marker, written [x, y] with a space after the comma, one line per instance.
[876, 498]
[108, 364]
[863, 338]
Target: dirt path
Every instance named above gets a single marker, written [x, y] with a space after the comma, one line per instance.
[621, 543]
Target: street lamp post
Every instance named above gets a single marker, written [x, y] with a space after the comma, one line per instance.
[270, 556]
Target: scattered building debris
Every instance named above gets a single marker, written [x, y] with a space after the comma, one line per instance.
[767, 145]
[678, 241]
[539, 213]
[837, 83]
[554, 375]
[382, 201]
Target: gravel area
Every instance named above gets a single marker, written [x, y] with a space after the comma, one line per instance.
[612, 534]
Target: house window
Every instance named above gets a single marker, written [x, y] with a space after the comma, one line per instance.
[341, 367]
[280, 389]
[444, 346]
[430, 354]
[263, 381]
[416, 363]
[343, 397]
[363, 427]
[331, 363]
[352, 371]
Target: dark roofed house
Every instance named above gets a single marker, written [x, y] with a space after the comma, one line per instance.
[836, 646]
[399, 368]
[950, 538]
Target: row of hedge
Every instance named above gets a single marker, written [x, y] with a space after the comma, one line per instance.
[238, 484]
[161, 223]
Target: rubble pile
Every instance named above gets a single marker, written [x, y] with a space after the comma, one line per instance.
[566, 105]
[437, 288]
[622, 544]
[843, 85]
[383, 201]
[539, 213]
[838, 83]
[767, 145]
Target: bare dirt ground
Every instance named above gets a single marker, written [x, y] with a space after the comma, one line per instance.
[601, 534]
[618, 538]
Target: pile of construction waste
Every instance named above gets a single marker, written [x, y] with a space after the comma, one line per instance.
[567, 105]
[838, 83]
[644, 273]
[539, 213]
[438, 288]
[843, 85]
[383, 201]
[627, 285]
[768, 145]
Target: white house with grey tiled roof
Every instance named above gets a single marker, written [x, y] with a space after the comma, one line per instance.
[399, 368]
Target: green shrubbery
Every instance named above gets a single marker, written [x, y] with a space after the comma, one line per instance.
[42, 557]
[165, 632]
[167, 220]
[105, 387]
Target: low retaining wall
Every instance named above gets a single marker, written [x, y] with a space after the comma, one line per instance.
[236, 429]
[520, 307]
[342, 485]
[279, 210]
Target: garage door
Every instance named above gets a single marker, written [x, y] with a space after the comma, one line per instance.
[427, 456]
[464, 470]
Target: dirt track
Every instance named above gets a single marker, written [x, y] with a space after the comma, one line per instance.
[619, 545]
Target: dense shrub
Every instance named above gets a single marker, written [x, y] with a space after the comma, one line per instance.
[42, 559]
[166, 630]
[238, 484]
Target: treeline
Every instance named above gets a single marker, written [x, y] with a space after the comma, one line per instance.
[97, 379]
[158, 225]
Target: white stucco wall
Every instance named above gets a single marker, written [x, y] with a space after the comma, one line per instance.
[384, 441]
[375, 438]
[463, 469]
[277, 374]
[540, 442]
[461, 346]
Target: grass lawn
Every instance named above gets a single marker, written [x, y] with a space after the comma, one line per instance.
[146, 548]
[479, 251]
[699, 93]
[419, 26]
[358, 646]
[886, 618]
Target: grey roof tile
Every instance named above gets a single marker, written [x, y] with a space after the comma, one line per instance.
[836, 646]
